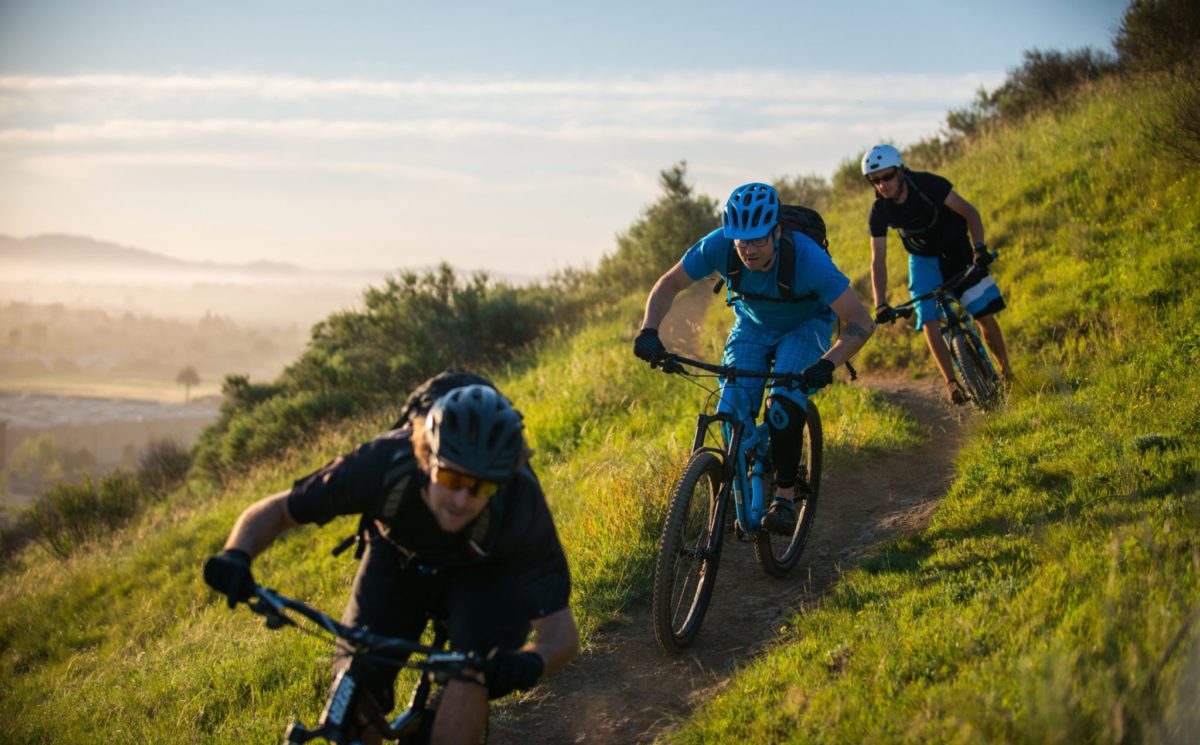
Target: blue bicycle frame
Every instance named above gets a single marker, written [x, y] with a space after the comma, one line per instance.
[745, 461]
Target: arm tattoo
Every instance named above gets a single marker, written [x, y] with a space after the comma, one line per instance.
[853, 329]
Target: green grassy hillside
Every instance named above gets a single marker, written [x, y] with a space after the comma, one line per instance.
[1055, 595]
[1041, 604]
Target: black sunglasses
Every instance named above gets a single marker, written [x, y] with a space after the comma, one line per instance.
[877, 180]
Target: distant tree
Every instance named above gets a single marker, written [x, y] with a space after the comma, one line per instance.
[187, 378]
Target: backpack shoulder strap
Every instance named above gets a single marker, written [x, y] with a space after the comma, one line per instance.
[733, 269]
[785, 275]
[396, 480]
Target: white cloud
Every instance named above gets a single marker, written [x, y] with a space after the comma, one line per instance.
[705, 86]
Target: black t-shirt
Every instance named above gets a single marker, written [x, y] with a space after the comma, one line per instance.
[926, 225]
[380, 480]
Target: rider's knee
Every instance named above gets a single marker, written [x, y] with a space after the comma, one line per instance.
[784, 416]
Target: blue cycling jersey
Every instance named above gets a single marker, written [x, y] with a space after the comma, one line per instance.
[815, 275]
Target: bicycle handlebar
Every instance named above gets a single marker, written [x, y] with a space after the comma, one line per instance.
[273, 606]
[906, 309]
[674, 363]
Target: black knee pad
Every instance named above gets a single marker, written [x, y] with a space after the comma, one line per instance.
[785, 419]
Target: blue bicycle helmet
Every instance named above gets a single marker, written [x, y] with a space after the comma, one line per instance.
[476, 429]
[751, 212]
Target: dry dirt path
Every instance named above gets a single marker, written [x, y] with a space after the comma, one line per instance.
[624, 689]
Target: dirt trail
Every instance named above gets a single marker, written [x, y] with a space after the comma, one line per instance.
[624, 689]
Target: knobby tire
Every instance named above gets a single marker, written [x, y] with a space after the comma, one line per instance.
[778, 554]
[977, 376]
[683, 577]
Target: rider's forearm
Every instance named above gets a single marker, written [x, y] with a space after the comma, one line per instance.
[261, 523]
[657, 307]
[556, 640]
[853, 337]
[975, 226]
[670, 284]
[879, 278]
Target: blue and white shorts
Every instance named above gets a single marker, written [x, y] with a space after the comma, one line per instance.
[980, 297]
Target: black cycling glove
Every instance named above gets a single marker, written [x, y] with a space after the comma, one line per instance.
[229, 573]
[647, 346]
[818, 375]
[982, 256]
[884, 313]
[508, 670]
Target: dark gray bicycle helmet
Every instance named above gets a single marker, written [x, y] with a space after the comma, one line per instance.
[476, 429]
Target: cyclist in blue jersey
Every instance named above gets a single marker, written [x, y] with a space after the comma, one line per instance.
[771, 331]
[943, 234]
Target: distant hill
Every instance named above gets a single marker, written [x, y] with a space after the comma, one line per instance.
[75, 253]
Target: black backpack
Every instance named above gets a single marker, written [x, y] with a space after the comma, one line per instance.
[791, 217]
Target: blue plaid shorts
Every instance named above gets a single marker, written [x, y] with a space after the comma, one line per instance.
[751, 347]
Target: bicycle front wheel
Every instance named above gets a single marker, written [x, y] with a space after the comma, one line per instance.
[688, 553]
[777, 554]
[977, 375]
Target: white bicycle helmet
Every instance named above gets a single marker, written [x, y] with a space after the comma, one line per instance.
[880, 157]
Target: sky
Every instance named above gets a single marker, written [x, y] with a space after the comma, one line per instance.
[516, 137]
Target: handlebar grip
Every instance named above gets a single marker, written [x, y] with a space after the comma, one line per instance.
[904, 312]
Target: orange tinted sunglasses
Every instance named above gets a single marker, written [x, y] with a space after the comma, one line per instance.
[453, 480]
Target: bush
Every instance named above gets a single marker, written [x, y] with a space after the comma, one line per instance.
[411, 327]
[69, 515]
[1177, 129]
[1159, 35]
[1044, 80]
[162, 466]
[810, 191]
[848, 177]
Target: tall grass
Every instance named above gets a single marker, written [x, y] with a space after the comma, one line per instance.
[1055, 596]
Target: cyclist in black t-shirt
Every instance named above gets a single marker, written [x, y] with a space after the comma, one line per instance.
[943, 234]
[453, 521]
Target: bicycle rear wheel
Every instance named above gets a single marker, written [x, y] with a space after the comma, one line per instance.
[688, 553]
[977, 374]
[777, 554]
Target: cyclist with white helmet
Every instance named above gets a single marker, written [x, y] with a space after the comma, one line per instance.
[452, 521]
[770, 332]
[943, 234]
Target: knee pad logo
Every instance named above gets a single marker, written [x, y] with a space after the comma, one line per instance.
[777, 416]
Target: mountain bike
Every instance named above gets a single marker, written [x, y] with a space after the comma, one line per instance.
[728, 465]
[348, 709]
[958, 330]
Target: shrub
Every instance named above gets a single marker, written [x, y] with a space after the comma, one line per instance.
[1043, 81]
[848, 178]
[68, 514]
[411, 327]
[162, 466]
[1177, 129]
[811, 191]
[1158, 35]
